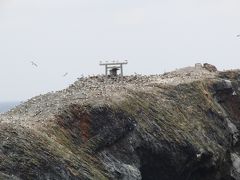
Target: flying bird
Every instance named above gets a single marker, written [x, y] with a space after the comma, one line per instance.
[65, 74]
[34, 64]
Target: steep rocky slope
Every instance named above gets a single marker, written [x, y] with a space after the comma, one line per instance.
[181, 125]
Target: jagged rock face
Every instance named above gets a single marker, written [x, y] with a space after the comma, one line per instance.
[187, 131]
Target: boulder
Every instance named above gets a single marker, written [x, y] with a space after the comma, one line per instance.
[210, 67]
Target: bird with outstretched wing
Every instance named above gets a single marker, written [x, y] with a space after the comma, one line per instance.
[65, 74]
[34, 64]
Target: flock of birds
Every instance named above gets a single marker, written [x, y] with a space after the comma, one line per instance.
[65, 74]
[36, 65]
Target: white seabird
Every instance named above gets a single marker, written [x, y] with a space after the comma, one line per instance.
[34, 64]
[65, 74]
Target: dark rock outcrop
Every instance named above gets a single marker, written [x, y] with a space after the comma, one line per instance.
[210, 67]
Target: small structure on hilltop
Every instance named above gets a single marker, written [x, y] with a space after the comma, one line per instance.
[113, 72]
[198, 66]
[113, 67]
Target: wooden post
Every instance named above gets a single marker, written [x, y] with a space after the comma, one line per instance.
[121, 72]
[106, 70]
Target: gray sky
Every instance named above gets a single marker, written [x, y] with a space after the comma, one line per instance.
[74, 35]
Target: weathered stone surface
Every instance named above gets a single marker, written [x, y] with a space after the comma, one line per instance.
[210, 67]
[182, 125]
[224, 86]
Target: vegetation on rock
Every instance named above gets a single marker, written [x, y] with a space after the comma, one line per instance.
[178, 126]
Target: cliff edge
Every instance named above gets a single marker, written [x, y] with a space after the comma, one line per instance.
[182, 125]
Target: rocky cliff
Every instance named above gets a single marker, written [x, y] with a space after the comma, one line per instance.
[181, 125]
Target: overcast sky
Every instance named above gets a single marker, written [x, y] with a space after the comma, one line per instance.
[74, 35]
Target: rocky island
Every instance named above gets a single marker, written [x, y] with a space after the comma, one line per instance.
[181, 125]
